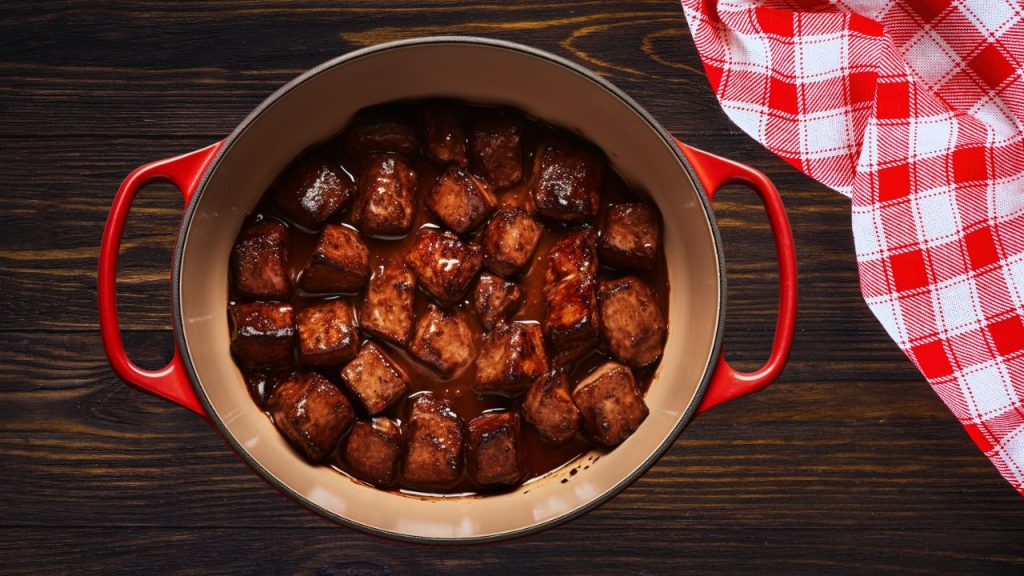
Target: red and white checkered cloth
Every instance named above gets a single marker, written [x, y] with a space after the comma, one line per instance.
[915, 111]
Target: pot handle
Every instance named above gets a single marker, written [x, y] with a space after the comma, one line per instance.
[715, 172]
[171, 381]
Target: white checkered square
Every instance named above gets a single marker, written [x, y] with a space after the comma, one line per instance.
[995, 115]
[991, 16]
[958, 306]
[930, 57]
[1007, 196]
[1012, 451]
[749, 50]
[821, 57]
[750, 119]
[932, 136]
[984, 390]
[888, 312]
[1014, 270]
[937, 217]
[866, 239]
[824, 135]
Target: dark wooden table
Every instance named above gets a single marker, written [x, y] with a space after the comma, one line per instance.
[849, 464]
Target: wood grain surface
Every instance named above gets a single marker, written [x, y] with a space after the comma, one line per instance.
[848, 464]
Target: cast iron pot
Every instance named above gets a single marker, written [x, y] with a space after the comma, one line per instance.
[223, 182]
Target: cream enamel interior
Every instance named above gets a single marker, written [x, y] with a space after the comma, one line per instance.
[318, 108]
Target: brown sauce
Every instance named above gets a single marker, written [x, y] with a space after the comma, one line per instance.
[541, 457]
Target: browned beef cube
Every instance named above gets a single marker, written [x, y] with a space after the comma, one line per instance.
[328, 333]
[444, 133]
[311, 413]
[610, 404]
[511, 357]
[374, 379]
[263, 383]
[340, 262]
[568, 185]
[631, 236]
[509, 241]
[259, 261]
[387, 311]
[493, 451]
[496, 299]
[444, 265]
[372, 450]
[573, 255]
[570, 292]
[496, 148]
[443, 340]
[462, 201]
[385, 201]
[632, 322]
[262, 333]
[312, 190]
[549, 407]
[433, 457]
[379, 131]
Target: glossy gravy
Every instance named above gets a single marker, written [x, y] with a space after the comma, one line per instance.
[540, 457]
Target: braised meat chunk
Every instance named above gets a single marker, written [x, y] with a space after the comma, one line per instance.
[444, 133]
[630, 236]
[372, 450]
[509, 241]
[311, 191]
[328, 333]
[632, 322]
[444, 341]
[570, 292]
[568, 184]
[311, 413]
[496, 148]
[462, 201]
[262, 333]
[433, 457]
[385, 200]
[374, 379]
[262, 384]
[259, 261]
[379, 131]
[610, 404]
[511, 357]
[444, 265]
[550, 409]
[340, 262]
[493, 451]
[495, 299]
[387, 311]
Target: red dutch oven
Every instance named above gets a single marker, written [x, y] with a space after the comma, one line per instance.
[223, 182]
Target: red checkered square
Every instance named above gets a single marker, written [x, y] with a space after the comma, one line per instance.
[782, 96]
[1008, 335]
[893, 182]
[914, 110]
[992, 66]
[981, 249]
[969, 164]
[908, 270]
[932, 359]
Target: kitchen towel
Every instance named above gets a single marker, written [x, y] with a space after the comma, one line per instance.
[914, 110]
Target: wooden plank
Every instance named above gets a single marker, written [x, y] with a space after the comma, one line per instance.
[677, 549]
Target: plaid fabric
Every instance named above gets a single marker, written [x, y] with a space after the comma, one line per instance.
[914, 110]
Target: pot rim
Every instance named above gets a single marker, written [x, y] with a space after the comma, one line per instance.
[569, 66]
